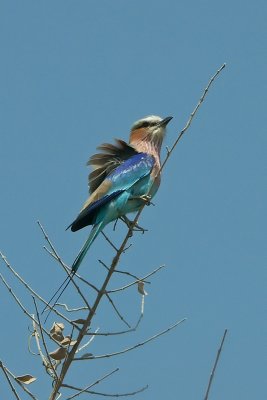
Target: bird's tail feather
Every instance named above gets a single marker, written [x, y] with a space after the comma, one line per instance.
[77, 262]
[93, 234]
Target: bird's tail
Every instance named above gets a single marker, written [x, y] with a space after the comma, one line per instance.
[93, 234]
[77, 262]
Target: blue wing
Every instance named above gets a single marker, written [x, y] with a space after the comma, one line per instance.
[119, 180]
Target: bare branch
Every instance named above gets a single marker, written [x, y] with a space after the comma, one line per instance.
[19, 383]
[25, 311]
[119, 332]
[133, 347]
[70, 309]
[117, 311]
[29, 288]
[109, 241]
[58, 258]
[93, 384]
[138, 280]
[48, 365]
[192, 115]
[89, 341]
[9, 381]
[215, 365]
[118, 394]
[117, 271]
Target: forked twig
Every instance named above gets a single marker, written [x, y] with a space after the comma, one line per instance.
[29, 288]
[117, 394]
[9, 381]
[192, 115]
[47, 363]
[58, 258]
[117, 311]
[109, 241]
[108, 355]
[25, 311]
[138, 280]
[91, 385]
[9, 373]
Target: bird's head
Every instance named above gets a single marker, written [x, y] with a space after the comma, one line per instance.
[149, 129]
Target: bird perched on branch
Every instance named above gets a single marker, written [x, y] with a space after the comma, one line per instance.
[124, 176]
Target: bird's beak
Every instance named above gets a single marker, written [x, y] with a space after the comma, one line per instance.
[165, 121]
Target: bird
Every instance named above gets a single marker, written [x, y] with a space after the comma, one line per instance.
[123, 177]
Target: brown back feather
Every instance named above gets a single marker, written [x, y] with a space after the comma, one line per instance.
[104, 163]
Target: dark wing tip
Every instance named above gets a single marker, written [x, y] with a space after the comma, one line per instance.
[71, 227]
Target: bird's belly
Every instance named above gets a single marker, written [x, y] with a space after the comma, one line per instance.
[142, 188]
[129, 201]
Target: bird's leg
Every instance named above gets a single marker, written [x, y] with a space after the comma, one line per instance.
[130, 224]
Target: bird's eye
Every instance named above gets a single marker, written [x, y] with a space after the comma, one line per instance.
[145, 124]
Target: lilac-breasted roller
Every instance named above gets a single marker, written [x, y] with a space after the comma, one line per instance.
[123, 177]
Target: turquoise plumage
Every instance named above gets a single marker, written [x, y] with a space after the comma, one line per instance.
[123, 175]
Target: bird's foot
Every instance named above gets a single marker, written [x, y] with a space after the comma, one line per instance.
[146, 198]
[131, 225]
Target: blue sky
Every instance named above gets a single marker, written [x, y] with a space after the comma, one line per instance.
[76, 74]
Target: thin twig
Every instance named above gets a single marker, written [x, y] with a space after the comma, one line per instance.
[29, 288]
[117, 311]
[93, 384]
[109, 241]
[62, 264]
[132, 347]
[118, 332]
[70, 309]
[87, 343]
[192, 115]
[138, 280]
[215, 365]
[50, 364]
[117, 394]
[68, 269]
[9, 381]
[40, 353]
[117, 271]
[25, 311]
[19, 383]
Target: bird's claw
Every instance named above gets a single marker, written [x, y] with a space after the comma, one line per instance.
[147, 199]
[133, 225]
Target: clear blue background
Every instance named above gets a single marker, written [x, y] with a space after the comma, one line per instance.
[75, 74]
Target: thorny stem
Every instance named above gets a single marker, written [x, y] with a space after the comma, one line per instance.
[121, 250]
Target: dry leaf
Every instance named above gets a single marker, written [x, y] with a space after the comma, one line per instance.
[141, 288]
[67, 341]
[58, 337]
[27, 379]
[79, 321]
[57, 329]
[58, 354]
